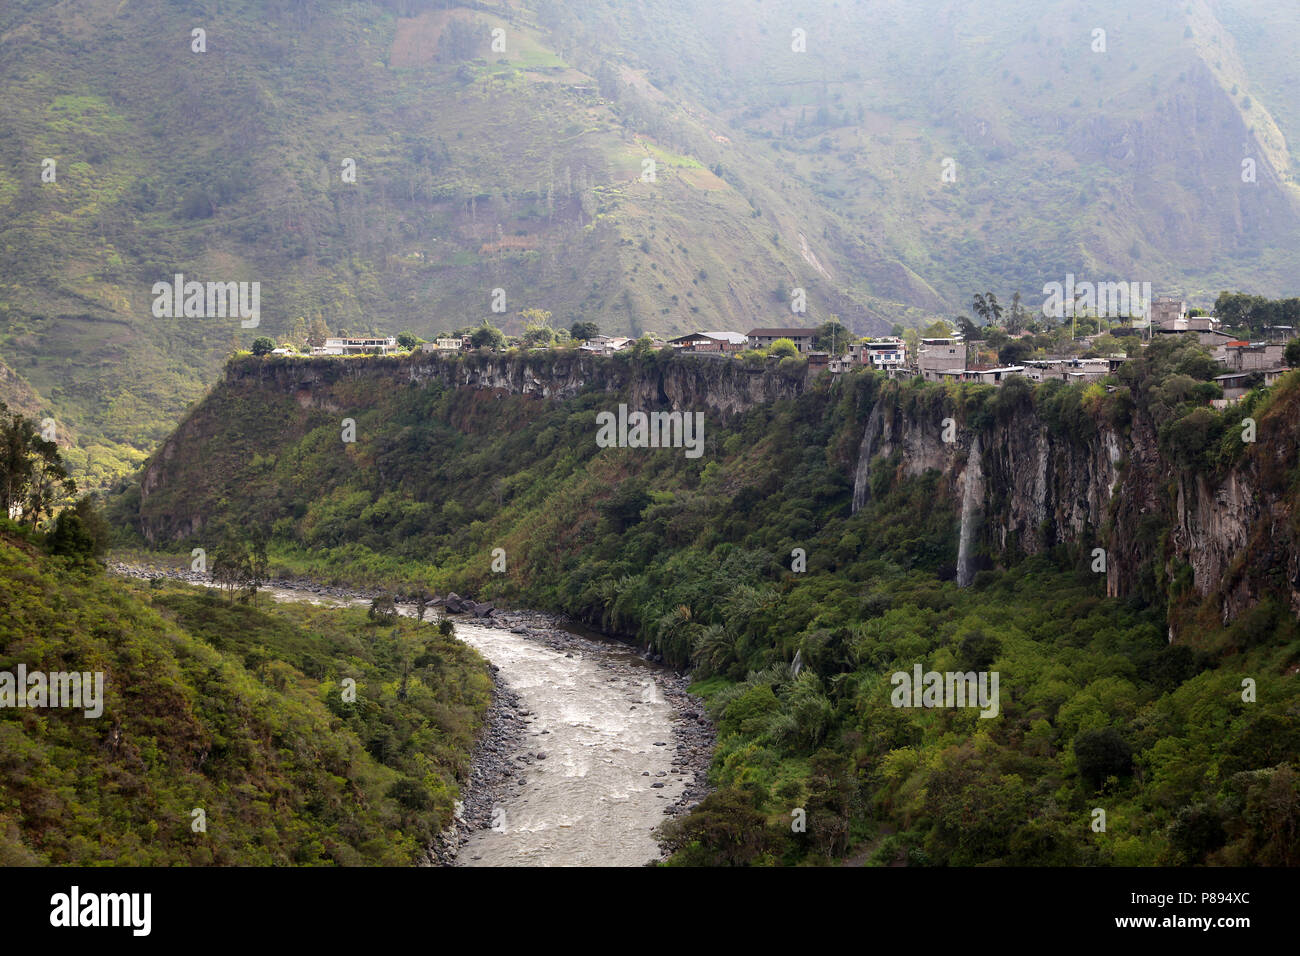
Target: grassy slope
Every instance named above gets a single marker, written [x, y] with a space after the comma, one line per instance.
[449, 161]
[1105, 165]
[230, 708]
[1067, 159]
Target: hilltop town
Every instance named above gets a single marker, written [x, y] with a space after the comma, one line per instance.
[1082, 348]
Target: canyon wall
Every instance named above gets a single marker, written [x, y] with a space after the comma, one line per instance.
[1021, 486]
[695, 382]
[1020, 481]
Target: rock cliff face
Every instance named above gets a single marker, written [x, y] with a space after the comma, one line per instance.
[263, 405]
[1031, 488]
[1021, 485]
[697, 383]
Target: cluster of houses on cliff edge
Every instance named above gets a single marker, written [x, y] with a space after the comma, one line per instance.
[937, 359]
[946, 359]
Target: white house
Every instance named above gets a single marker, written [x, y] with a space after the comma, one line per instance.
[605, 345]
[355, 346]
[447, 345]
[886, 353]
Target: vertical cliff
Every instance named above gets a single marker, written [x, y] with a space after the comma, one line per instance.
[1024, 485]
[263, 406]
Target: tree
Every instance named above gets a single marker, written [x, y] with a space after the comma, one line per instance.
[383, 609]
[783, 348]
[582, 331]
[725, 829]
[978, 651]
[537, 327]
[79, 532]
[1100, 754]
[993, 310]
[263, 345]
[912, 341]
[608, 83]
[1014, 352]
[318, 334]
[939, 329]
[196, 204]
[240, 562]
[33, 478]
[1292, 354]
[487, 337]
[831, 337]
[1017, 318]
[830, 801]
[299, 336]
[69, 537]
[258, 535]
[408, 340]
[232, 568]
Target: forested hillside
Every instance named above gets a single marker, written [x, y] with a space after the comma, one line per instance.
[750, 565]
[224, 736]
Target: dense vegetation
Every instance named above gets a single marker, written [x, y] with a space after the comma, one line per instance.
[697, 559]
[304, 735]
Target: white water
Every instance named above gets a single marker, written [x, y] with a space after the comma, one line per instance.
[972, 491]
[587, 803]
[862, 475]
[594, 715]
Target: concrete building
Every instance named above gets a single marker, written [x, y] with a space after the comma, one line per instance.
[762, 338]
[349, 345]
[991, 376]
[1070, 369]
[1241, 356]
[887, 354]
[1237, 384]
[1169, 312]
[455, 344]
[937, 356]
[605, 344]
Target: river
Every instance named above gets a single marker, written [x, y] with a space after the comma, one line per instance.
[600, 732]
[608, 745]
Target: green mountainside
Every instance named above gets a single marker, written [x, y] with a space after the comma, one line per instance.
[232, 709]
[696, 557]
[524, 169]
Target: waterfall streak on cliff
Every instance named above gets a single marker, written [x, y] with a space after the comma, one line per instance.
[862, 477]
[972, 492]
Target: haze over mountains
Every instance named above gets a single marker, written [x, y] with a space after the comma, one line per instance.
[1117, 155]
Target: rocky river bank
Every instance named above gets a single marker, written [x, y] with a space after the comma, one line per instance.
[577, 705]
